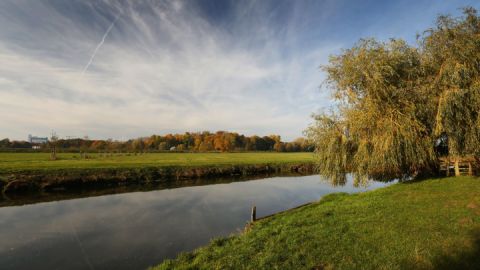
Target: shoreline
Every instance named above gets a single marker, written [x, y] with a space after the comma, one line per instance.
[318, 235]
[94, 190]
[65, 178]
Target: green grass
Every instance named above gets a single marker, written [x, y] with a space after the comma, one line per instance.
[432, 224]
[15, 162]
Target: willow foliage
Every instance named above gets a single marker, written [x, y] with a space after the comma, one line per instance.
[396, 100]
[452, 51]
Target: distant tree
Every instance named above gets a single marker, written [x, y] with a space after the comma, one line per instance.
[260, 143]
[219, 142]
[53, 145]
[188, 141]
[138, 145]
[99, 145]
[205, 147]
[163, 146]
[5, 143]
[151, 142]
[181, 147]
[279, 147]
[197, 141]
[20, 144]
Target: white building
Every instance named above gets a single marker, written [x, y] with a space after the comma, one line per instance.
[35, 139]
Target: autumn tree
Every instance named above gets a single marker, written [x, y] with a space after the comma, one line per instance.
[396, 101]
[99, 145]
[451, 54]
[223, 141]
[138, 145]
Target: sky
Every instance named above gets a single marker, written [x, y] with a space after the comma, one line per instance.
[130, 68]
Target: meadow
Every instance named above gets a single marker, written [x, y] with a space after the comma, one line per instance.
[20, 162]
[429, 224]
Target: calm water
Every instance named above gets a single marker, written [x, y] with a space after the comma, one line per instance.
[139, 229]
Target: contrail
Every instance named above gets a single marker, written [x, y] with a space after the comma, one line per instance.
[99, 45]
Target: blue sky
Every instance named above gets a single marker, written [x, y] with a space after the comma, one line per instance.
[124, 69]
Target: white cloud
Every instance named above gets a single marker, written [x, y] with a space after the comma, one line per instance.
[159, 70]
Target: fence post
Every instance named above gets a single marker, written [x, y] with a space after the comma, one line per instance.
[447, 162]
[457, 167]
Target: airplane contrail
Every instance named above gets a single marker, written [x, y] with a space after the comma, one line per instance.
[99, 45]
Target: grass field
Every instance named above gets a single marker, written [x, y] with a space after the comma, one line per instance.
[13, 162]
[432, 224]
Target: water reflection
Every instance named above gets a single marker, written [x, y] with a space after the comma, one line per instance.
[139, 229]
[101, 189]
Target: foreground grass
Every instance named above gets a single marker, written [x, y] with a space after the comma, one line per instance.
[14, 162]
[432, 224]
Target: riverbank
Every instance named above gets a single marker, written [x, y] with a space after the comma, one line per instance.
[90, 191]
[34, 171]
[430, 224]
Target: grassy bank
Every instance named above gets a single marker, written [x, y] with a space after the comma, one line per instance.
[15, 162]
[432, 224]
[36, 170]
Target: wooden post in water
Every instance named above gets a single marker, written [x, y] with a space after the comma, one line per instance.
[254, 214]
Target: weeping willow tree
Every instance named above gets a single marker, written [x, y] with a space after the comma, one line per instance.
[451, 51]
[395, 101]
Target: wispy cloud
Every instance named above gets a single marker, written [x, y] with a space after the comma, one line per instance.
[167, 66]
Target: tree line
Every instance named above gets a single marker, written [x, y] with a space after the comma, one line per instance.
[400, 106]
[220, 141]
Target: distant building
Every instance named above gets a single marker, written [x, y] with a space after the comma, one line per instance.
[35, 139]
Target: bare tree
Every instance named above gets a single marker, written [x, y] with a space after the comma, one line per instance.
[53, 145]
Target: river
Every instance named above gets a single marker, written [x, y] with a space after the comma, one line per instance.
[138, 229]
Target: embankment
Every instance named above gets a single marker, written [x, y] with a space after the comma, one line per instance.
[31, 180]
[429, 224]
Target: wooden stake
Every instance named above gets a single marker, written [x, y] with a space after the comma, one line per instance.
[254, 214]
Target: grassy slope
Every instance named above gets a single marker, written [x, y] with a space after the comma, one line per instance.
[12, 162]
[433, 224]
